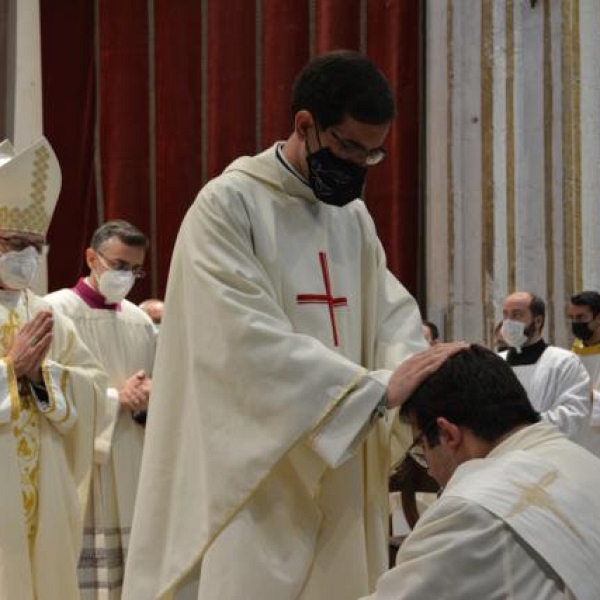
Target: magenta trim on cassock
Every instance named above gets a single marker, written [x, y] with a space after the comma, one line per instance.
[93, 298]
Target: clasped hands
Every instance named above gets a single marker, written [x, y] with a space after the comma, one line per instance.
[30, 346]
[135, 392]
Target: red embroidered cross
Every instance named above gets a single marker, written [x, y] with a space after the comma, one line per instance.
[326, 298]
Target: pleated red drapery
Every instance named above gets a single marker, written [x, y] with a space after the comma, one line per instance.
[163, 95]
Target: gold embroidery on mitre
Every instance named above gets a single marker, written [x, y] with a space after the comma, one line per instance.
[33, 218]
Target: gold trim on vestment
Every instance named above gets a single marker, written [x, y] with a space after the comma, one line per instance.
[48, 381]
[511, 237]
[576, 86]
[333, 404]
[579, 348]
[26, 430]
[49, 389]
[567, 145]
[487, 167]
[548, 162]
[33, 217]
[450, 165]
[13, 389]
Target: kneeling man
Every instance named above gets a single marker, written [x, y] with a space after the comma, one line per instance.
[518, 514]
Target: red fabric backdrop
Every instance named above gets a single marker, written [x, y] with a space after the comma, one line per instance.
[165, 94]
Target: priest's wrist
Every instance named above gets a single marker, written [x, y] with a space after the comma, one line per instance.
[35, 376]
[380, 409]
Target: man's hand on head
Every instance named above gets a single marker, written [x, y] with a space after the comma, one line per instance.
[413, 371]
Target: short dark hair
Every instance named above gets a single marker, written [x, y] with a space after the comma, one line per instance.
[537, 307]
[342, 83]
[126, 232]
[433, 329]
[588, 298]
[476, 389]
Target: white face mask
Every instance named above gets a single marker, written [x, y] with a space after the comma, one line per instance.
[513, 333]
[115, 285]
[17, 269]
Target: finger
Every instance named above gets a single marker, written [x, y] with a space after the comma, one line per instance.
[40, 318]
[39, 327]
[40, 344]
[436, 355]
[36, 329]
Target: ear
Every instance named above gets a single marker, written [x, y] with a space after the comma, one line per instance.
[90, 256]
[540, 322]
[303, 121]
[451, 432]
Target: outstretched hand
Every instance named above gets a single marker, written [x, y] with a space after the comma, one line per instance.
[413, 371]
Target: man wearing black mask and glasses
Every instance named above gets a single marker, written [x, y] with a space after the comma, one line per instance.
[584, 313]
[281, 330]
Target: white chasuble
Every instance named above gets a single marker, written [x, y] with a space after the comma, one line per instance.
[282, 324]
[123, 341]
[47, 453]
[520, 523]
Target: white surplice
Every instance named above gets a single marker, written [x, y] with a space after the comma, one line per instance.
[124, 342]
[520, 523]
[590, 357]
[47, 451]
[281, 325]
[558, 386]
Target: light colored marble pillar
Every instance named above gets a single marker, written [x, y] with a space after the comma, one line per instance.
[26, 90]
[513, 147]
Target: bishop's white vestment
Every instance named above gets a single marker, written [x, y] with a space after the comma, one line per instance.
[47, 449]
[557, 385]
[123, 340]
[520, 523]
[281, 326]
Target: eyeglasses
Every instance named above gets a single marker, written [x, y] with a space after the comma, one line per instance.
[121, 265]
[415, 450]
[358, 152]
[17, 244]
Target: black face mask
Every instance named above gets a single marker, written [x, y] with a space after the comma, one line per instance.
[334, 180]
[581, 331]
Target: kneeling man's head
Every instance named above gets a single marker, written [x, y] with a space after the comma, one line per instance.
[472, 403]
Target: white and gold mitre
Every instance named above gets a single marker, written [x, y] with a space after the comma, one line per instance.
[29, 186]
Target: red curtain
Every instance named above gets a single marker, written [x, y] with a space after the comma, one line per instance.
[69, 116]
[176, 90]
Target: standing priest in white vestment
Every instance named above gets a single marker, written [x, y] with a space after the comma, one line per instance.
[584, 313]
[123, 339]
[51, 397]
[265, 462]
[556, 382]
[518, 515]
